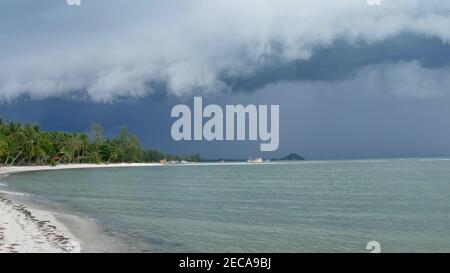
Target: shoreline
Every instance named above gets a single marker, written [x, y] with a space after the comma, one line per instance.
[28, 227]
[20, 169]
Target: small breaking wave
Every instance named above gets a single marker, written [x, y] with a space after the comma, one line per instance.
[433, 159]
[14, 193]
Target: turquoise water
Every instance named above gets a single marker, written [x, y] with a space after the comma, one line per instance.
[314, 206]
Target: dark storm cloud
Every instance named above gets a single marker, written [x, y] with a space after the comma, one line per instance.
[343, 60]
[110, 50]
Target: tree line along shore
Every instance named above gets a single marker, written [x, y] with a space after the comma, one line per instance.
[26, 144]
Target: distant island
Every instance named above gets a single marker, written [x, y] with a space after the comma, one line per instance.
[292, 156]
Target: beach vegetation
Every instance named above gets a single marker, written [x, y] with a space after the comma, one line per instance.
[27, 144]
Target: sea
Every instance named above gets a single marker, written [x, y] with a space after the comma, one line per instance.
[306, 206]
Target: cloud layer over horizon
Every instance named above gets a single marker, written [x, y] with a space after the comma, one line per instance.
[108, 50]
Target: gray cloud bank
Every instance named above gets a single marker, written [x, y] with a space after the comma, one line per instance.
[107, 50]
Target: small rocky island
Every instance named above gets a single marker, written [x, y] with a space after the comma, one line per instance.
[292, 156]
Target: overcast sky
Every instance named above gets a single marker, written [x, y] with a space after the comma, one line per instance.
[352, 81]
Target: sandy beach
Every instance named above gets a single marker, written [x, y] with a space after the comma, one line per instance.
[27, 229]
[19, 169]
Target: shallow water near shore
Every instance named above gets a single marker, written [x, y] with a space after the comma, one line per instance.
[311, 206]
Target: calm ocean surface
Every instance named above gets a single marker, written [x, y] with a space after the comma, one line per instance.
[323, 206]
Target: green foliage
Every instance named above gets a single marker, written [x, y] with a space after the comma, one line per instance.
[26, 144]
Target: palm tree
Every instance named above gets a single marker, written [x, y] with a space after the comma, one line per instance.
[3, 146]
[15, 142]
[114, 155]
[65, 155]
[31, 143]
[84, 142]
